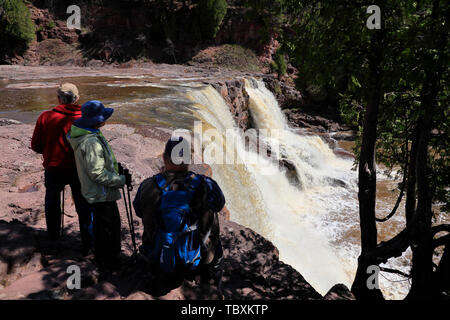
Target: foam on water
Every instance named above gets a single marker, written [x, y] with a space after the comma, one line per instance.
[268, 203]
[315, 227]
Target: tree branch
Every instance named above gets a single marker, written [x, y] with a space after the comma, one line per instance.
[397, 204]
[440, 228]
[405, 174]
[391, 248]
[442, 241]
[395, 271]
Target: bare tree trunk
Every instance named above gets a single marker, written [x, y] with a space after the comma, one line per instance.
[421, 235]
[367, 178]
[441, 280]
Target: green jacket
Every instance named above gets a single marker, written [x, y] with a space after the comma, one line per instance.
[96, 165]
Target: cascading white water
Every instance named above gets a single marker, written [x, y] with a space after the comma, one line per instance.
[268, 203]
[314, 161]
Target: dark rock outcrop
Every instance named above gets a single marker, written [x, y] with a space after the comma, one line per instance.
[286, 94]
[7, 122]
[236, 28]
[34, 268]
[311, 121]
[339, 292]
[47, 27]
[234, 94]
[345, 135]
[253, 269]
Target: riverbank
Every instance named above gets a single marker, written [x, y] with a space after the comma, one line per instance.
[33, 268]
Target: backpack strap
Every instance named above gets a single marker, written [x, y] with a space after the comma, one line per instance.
[192, 181]
[161, 182]
[189, 229]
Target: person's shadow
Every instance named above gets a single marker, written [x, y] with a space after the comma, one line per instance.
[137, 274]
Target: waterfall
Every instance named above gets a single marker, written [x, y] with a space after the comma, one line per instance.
[268, 203]
[314, 161]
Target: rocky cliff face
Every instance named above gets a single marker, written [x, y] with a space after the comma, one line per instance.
[120, 33]
[54, 43]
[290, 100]
[234, 94]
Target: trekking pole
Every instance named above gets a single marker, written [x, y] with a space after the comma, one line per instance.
[130, 213]
[128, 219]
[133, 235]
[62, 213]
[125, 202]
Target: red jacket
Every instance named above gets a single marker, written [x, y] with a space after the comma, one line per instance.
[49, 136]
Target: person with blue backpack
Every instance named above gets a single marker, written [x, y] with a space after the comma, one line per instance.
[179, 210]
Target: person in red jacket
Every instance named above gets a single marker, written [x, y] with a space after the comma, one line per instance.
[49, 139]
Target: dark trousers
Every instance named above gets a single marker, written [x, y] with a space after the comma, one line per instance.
[214, 269]
[106, 232]
[55, 181]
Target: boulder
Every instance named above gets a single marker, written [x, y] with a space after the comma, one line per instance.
[234, 94]
[339, 292]
[7, 122]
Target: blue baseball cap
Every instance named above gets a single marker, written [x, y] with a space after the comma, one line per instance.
[93, 112]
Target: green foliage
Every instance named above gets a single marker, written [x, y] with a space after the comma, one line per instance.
[271, 14]
[212, 13]
[273, 66]
[281, 65]
[330, 45]
[51, 24]
[16, 27]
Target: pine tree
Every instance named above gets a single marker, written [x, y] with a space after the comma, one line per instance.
[16, 27]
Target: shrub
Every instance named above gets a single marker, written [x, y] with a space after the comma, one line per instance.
[280, 63]
[51, 24]
[212, 13]
[16, 21]
[16, 27]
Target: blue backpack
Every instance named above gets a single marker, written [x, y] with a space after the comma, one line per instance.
[177, 240]
[216, 199]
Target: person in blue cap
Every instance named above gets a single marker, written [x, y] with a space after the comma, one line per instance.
[100, 180]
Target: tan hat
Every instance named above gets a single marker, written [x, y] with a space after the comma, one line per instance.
[69, 87]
